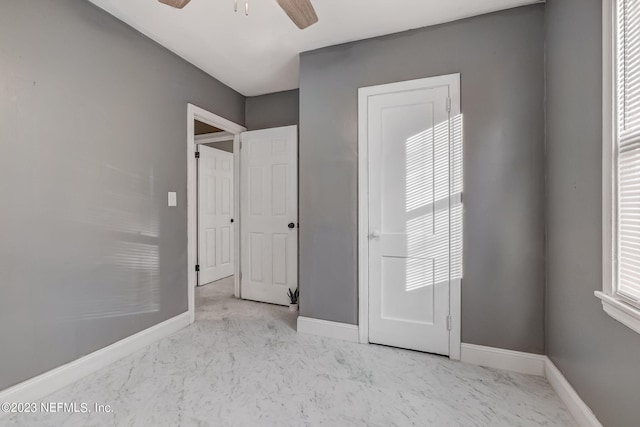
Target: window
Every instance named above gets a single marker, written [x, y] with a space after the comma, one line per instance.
[621, 161]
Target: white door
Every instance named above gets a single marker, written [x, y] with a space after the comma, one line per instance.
[409, 151]
[269, 208]
[215, 215]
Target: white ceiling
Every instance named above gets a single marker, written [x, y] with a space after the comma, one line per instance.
[258, 54]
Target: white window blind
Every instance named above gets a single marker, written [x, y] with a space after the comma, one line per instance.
[627, 151]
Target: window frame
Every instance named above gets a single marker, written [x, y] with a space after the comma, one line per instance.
[612, 303]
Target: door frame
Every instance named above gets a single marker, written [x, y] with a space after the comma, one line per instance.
[196, 113]
[453, 81]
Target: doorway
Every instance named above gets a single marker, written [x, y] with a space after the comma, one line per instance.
[208, 130]
[410, 214]
[242, 208]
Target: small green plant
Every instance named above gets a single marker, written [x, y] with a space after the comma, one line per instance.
[293, 296]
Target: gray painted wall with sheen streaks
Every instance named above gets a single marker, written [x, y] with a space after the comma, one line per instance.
[501, 59]
[272, 110]
[598, 355]
[92, 137]
[89, 252]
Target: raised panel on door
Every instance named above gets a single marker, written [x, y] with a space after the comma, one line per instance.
[256, 254]
[408, 143]
[225, 245]
[209, 252]
[215, 212]
[269, 204]
[279, 250]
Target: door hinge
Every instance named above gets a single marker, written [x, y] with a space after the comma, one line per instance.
[197, 267]
[448, 323]
[197, 154]
[448, 105]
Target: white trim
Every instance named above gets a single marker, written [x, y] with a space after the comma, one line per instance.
[192, 213]
[216, 121]
[236, 209]
[209, 138]
[582, 414]
[532, 364]
[325, 328]
[455, 311]
[509, 360]
[455, 286]
[363, 219]
[612, 304]
[196, 113]
[41, 386]
[455, 344]
[608, 135]
[621, 311]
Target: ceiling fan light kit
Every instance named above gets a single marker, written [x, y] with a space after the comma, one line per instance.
[246, 6]
[301, 12]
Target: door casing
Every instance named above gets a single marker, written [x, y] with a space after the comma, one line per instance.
[196, 113]
[453, 81]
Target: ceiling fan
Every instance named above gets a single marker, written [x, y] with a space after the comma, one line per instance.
[301, 12]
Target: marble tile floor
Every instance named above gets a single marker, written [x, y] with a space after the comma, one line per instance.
[242, 364]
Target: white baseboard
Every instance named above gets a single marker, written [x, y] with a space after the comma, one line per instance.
[41, 386]
[532, 364]
[526, 363]
[580, 411]
[509, 360]
[325, 328]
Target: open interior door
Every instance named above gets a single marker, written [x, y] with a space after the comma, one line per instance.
[269, 212]
[215, 215]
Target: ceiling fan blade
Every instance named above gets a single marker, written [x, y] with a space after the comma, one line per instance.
[178, 4]
[301, 12]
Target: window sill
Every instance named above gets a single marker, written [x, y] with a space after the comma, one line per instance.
[621, 311]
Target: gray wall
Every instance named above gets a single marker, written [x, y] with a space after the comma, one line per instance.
[92, 137]
[500, 57]
[272, 110]
[599, 356]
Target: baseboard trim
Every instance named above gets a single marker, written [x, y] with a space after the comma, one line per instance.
[576, 406]
[44, 384]
[325, 328]
[532, 364]
[526, 363]
[509, 360]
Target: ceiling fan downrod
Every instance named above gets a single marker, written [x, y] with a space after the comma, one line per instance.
[246, 6]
